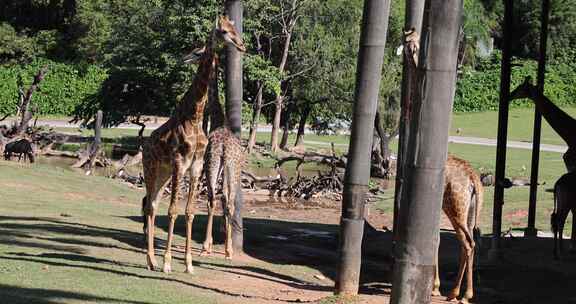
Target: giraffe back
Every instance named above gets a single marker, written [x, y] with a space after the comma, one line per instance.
[462, 183]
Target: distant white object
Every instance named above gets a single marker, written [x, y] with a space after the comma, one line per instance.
[399, 50]
[485, 47]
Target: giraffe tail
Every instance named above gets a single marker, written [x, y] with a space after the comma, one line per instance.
[144, 221]
[479, 201]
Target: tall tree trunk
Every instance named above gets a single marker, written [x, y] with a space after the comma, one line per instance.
[302, 125]
[234, 9]
[286, 127]
[414, 15]
[280, 97]
[419, 218]
[26, 114]
[255, 117]
[369, 71]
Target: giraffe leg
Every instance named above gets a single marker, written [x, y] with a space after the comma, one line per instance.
[150, 258]
[231, 180]
[177, 167]
[465, 252]
[469, 294]
[436, 288]
[573, 236]
[195, 174]
[155, 183]
[212, 175]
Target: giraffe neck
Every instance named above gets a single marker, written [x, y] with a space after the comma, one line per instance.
[561, 122]
[191, 108]
[217, 116]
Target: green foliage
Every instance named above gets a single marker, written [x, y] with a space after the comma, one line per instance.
[478, 89]
[13, 47]
[257, 68]
[63, 88]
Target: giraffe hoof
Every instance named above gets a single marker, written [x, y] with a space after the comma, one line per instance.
[189, 269]
[436, 293]
[167, 268]
[464, 301]
[151, 263]
[451, 297]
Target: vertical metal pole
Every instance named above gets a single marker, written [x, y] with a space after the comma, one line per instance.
[531, 229]
[505, 72]
[368, 74]
[234, 90]
[414, 13]
[419, 217]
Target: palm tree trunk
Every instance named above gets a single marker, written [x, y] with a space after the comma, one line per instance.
[234, 88]
[414, 14]
[370, 59]
[419, 217]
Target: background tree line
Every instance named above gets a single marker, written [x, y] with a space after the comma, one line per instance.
[124, 57]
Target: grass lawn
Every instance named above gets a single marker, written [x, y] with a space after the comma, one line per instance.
[69, 238]
[520, 125]
[516, 198]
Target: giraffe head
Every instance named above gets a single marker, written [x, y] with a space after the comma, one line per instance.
[525, 90]
[224, 34]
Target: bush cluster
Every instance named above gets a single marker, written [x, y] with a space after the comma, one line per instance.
[64, 87]
[478, 89]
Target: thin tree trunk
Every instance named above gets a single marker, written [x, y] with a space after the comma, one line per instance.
[140, 132]
[419, 218]
[414, 15]
[369, 70]
[280, 97]
[26, 114]
[234, 9]
[286, 127]
[302, 126]
[95, 151]
[255, 117]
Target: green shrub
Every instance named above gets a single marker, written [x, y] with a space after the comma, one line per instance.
[64, 87]
[478, 89]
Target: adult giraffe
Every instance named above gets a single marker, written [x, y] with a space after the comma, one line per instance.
[179, 145]
[561, 122]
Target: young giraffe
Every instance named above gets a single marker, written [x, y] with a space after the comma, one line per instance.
[179, 144]
[462, 202]
[224, 154]
[564, 202]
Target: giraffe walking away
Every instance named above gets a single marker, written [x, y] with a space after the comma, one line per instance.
[564, 202]
[225, 155]
[179, 145]
[462, 203]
